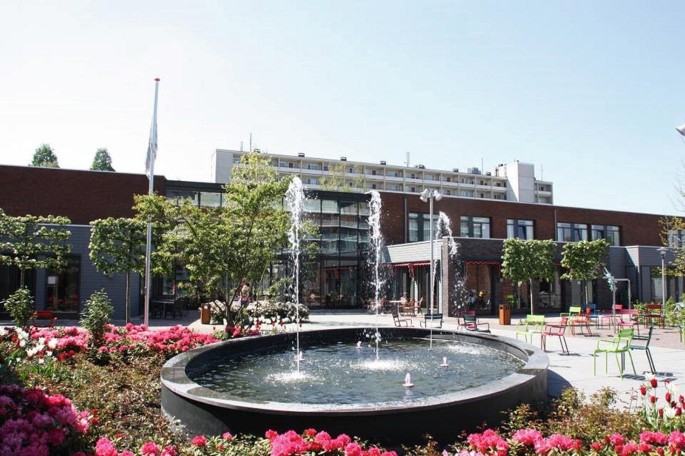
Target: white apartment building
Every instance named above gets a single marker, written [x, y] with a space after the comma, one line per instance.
[511, 182]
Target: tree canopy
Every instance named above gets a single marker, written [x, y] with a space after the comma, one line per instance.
[102, 161]
[117, 245]
[33, 242]
[526, 260]
[220, 245]
[45, 157]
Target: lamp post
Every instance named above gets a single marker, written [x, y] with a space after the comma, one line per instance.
[662, 251]
[428, 195]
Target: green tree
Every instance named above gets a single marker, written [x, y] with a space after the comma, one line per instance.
[527, 260]
[584, 260]
[102, 161]
[33, 242]
[219, 246]
[259, 223]
[45, 157]
[117, 245]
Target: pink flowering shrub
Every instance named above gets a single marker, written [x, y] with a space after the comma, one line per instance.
[532, 442]
[33, 422]
[320, 443]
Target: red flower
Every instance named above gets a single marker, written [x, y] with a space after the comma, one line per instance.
[199, 441]
[643, 390]
[653, 382]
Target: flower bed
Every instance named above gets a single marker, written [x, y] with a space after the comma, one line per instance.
[37, 421]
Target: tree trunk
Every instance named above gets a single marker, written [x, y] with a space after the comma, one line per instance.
[127, 300]
[530, 286]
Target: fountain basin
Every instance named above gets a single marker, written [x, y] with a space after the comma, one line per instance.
[203, 410]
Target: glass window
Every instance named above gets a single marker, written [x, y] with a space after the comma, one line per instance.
[210, 199]
[63, 286]
[475, 227]
[609, 232]
[178, 195]
[420, 226]
[571, 232]
[521, 229]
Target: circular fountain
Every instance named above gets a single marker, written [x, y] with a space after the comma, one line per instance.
[389, 385]
[377, 405]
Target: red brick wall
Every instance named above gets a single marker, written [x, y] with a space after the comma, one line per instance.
[636, 229]
[82, 196]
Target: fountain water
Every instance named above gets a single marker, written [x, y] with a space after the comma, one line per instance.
[376, 244]
[295, 200]
[444, 229]
[243, 385]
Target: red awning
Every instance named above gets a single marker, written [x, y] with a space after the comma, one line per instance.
[406, 265]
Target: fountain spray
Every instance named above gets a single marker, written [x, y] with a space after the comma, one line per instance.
[295, 200]
[376, 241]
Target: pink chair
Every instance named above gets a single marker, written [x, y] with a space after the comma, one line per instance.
[555, 330]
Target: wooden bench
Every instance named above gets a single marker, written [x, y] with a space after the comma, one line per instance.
[43, 319]
[436, 317]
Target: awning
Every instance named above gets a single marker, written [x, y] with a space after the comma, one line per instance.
[406, 265]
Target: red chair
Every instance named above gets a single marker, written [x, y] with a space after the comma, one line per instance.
[653, 312]
[555, 330]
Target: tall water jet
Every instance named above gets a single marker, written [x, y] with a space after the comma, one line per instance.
[376, 244]
[295, 200]
[444, 229]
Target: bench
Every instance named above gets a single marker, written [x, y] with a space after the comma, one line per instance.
[43, 319]
[436, 317]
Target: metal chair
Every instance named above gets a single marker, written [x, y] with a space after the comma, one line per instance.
[471, 323]
[555, 330]
[619, 345]
[644, 346]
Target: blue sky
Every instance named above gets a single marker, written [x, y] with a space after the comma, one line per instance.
[589, 92]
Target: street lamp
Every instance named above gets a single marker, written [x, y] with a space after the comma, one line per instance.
[428, 195]
[662, 251]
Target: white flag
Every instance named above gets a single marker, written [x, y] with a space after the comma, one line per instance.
[152, 145]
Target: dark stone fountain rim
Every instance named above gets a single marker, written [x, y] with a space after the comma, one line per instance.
[175, 378]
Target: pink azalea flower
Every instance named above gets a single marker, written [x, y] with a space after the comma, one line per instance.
[199, 441]
[105, 447]
[150, 448]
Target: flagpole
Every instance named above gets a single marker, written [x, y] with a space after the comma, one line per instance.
[151, 154]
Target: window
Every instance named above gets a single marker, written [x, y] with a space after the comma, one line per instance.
[420, 226]
[571, 232]
[313, 166]
[210, 199]
[63, 286]
[609, 232]
[475, 227]
[521, 229]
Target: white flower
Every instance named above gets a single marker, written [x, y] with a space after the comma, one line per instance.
[669, 412]
[52, 343]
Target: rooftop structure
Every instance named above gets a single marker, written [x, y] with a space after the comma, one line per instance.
[507, 182]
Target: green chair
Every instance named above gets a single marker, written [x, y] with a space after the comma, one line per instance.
[533, 324]
[619, 345]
